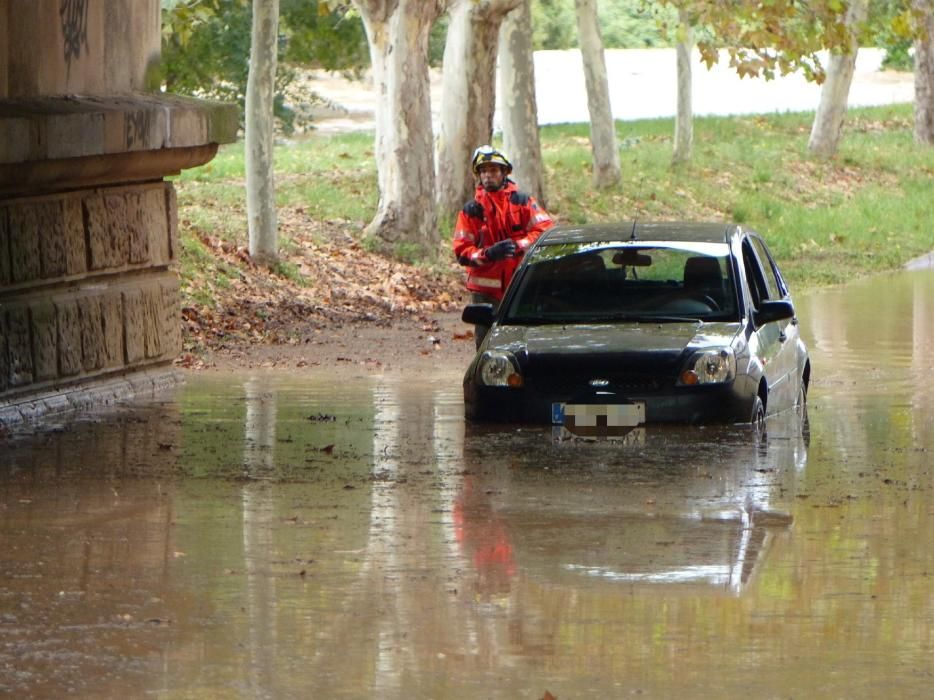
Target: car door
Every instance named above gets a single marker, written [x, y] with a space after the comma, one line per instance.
[777, 340]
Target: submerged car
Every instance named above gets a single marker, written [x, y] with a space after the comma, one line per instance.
[607, 327]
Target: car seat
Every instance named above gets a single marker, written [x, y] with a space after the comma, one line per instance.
[703, 278]
[579, 281]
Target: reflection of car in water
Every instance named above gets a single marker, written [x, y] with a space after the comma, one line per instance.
[719, 550]
[680, 509]
[606, 327]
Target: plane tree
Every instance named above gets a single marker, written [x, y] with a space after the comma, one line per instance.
[518, 104]
[398, 32]
[262, 220]
[606, 167]
[468, 93]
[922, 28]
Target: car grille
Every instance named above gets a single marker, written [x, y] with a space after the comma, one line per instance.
[623, 383]
[565, 375]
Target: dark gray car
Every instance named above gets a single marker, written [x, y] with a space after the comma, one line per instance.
[606, 327]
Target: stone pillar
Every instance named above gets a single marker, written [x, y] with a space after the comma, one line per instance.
[89, 298]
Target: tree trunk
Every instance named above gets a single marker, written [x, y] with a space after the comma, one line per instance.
[924, 75]
[606, 170]
[518, 108]
[260, 92]
[828, 122]
[684, 120]
[468, 94]
[397, 31]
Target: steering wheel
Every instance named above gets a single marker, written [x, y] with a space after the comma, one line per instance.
[709, 300]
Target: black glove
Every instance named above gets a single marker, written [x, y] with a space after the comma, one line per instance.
[503, 249]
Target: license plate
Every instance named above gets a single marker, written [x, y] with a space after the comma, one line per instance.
[598, 419]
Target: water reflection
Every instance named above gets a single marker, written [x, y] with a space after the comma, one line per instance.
[281, 537]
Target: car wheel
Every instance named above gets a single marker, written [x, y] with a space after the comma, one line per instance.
[801, 408]
[757, 415]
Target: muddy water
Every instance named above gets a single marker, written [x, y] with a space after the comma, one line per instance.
[272, 536]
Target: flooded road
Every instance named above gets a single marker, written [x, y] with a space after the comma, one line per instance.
[291, 536]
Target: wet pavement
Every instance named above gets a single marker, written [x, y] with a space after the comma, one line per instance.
[282, 536]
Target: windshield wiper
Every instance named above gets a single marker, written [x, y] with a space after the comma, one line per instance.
[596, 318]
[651, 318]
[533, 320]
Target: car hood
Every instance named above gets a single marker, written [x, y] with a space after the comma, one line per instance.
[655, 347]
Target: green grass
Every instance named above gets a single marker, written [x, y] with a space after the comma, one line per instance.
[867, 210]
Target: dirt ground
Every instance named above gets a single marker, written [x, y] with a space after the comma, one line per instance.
[351, 310]
[405, 344]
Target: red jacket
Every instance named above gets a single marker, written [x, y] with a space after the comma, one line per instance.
[492, 217]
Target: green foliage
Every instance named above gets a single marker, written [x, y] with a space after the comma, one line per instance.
[763, 38]
[319, 37]
[554, 25]
[624, 24]
[436, 39]
[206, 47]
[891, 27]
[634, 24]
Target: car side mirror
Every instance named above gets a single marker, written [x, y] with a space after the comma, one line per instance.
[478, 314]
[770, 311]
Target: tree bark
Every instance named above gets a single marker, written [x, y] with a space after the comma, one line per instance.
[468, 94]
[924, 75]
[684, 120]
[260, 131]
[606, 169]
[397, 31]
[828, 121]
[518, 107]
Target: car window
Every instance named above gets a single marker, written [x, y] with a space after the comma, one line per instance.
[755, 277]
[775, 290]
[605, 282]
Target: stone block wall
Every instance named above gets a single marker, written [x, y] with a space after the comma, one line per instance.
[89, 293]
[87, 286]
[87, 47]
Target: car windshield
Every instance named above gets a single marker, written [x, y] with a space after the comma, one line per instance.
[587, 282]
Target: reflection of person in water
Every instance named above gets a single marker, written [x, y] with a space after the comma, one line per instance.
[483, 538]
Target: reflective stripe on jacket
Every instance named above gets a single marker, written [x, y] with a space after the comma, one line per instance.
[492, 217]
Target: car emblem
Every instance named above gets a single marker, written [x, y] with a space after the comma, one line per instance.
[599, 383]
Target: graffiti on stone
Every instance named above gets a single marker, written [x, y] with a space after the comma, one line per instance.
[138, 126]
[74, 16]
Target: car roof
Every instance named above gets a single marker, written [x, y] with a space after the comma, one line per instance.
[675, 231]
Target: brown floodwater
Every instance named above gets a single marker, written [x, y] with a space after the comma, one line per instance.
[278, 535]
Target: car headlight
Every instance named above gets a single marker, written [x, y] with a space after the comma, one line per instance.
[710, 367]
[498, 368]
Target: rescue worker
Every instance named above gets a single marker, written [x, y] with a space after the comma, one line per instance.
[495, 229]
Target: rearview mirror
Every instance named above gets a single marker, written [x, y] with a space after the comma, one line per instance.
[632, 258]
[478, 314]
[770, 311]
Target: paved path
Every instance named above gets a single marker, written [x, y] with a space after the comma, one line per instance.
[642, 85]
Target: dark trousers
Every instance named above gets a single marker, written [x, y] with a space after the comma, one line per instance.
[479, 332]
